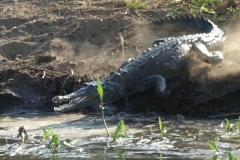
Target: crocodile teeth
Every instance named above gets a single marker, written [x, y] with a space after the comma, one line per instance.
[67, 103]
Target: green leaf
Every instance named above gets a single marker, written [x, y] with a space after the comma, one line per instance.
[214, 157]
[216, 138]
[68, 140]
[55, 140]
[118, 130]
[183, 137]
[49, 146]
[213, 146]
[55, 151]
[228, 125]
[44, 130]
[124, 128]
[160, 123]
[231, 157]
[100, 90]
[47, 132]
[235, 126]
[164, 130]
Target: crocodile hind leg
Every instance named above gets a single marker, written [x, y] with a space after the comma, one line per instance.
[213, 57]
[156, 80]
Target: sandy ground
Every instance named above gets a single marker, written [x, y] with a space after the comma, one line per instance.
[42, 41]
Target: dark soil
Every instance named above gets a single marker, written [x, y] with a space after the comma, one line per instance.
[42, 41]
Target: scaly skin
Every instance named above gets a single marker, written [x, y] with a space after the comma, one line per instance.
[166, 60]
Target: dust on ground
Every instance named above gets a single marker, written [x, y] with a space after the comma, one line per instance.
[42, 41]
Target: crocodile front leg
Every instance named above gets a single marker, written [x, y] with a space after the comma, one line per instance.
[148, 82]
[213, 57]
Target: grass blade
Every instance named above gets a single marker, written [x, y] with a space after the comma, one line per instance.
[228, 125]
[124, 128]
[231, 157]
[49, 146]
[118, 130]
[160, 123]
[212, 144]
[160, 157]
[44, 130]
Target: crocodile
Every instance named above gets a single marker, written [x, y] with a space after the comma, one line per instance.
[167, 59]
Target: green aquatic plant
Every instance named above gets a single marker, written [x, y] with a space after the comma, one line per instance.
[160, 157]
[163, 130]
[231, 127]
[121, 128]
[231, 157]
[160, 123]
[213, 145]
[48, 132]
[54, 139]
[227, 126]
[216, 138]
[54, 157]
[214, 157]
[101, 93]
[120, 155]
[183, 137]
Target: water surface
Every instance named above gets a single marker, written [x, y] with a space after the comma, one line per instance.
[186, 138]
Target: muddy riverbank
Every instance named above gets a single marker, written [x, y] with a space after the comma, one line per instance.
[43, 41]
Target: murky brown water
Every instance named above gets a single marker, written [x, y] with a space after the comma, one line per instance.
[89, 139]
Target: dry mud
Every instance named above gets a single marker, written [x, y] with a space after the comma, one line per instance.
[41, 41]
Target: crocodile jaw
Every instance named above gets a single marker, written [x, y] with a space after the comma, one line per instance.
[67, 105]
[67, 102]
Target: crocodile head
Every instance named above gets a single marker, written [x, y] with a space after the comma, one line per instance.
[85, 96]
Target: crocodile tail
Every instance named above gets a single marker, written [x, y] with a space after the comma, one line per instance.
[183, 22]
[224, 29]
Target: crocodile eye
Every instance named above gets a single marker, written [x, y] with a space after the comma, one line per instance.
[89, 84]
